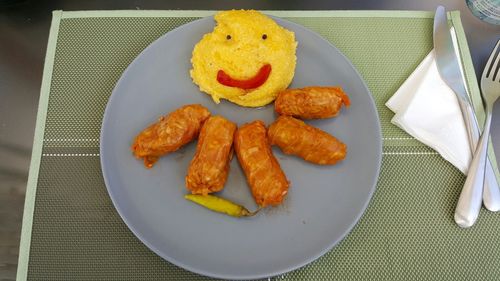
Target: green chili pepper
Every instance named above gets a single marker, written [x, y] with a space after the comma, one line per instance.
[220, 205]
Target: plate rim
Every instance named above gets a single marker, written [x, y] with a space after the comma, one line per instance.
[289, 268]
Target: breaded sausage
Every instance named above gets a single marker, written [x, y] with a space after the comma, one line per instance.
[267, 181]
[170, 133]
[295, 137]
[311, 102]
[208, 170]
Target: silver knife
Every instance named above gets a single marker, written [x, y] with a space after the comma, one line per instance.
[476, 188]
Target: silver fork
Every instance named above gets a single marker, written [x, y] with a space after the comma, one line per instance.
[490, 88]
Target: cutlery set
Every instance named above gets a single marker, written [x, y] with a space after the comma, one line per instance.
[481, 184]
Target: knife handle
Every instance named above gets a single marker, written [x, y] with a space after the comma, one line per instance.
[471, 123]
[470, 199]
[491, 189]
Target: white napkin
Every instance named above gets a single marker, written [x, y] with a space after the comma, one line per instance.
[428, 109]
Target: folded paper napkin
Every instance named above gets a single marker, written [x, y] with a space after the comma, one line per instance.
[427, 109]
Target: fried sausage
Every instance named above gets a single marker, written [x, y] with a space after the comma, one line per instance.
[311, 102]
[208, 170]
[295, 137]
[267, 181]
[170, 133]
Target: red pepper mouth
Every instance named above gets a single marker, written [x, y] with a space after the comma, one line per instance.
[251, 83]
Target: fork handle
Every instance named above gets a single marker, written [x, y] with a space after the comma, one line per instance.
[470, 199]
[491, 190]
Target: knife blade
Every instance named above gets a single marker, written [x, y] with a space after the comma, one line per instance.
[449, 69]
[446, 59]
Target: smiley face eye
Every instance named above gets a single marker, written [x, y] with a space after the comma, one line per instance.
[228, 37]
[264, 36]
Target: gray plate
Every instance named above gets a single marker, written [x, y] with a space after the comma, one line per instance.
[323, 205]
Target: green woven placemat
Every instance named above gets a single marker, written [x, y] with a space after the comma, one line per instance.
[72, 232]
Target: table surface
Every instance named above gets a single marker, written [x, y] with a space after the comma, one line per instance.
[24, 29]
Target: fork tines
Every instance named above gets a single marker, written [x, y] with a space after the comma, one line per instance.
[493, 70]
